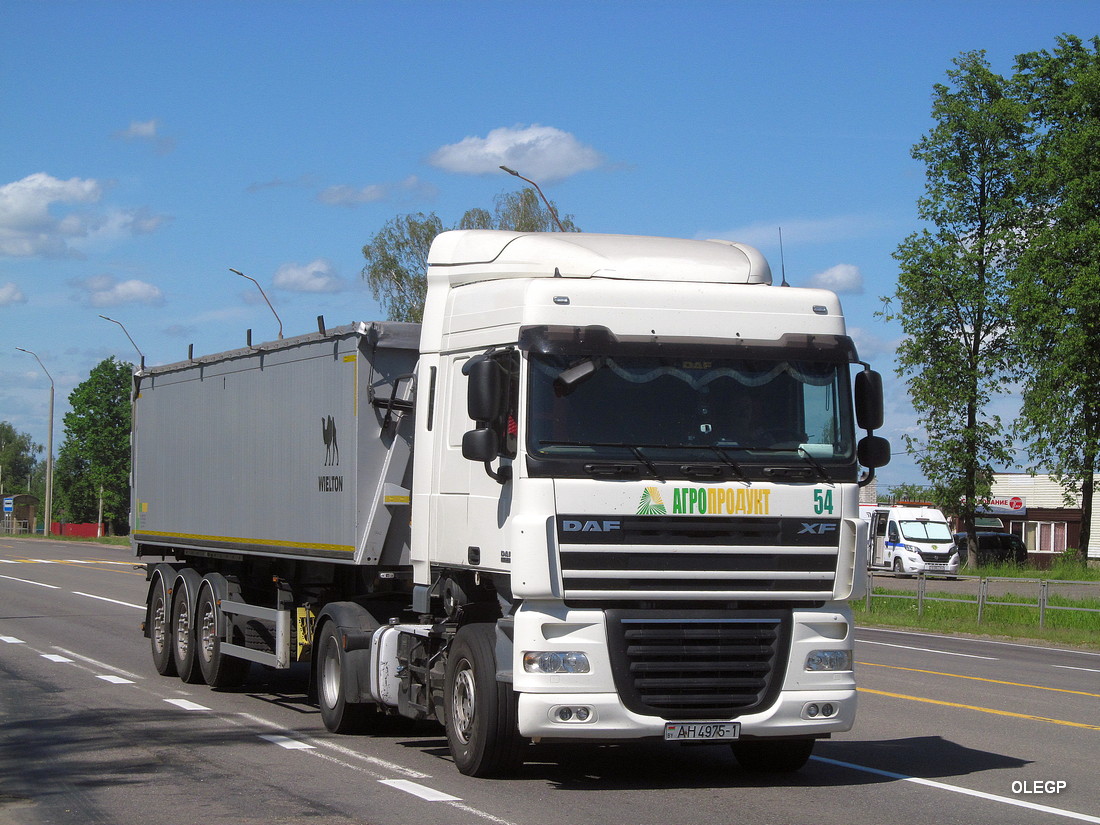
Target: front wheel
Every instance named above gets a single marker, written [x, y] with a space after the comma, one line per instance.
[784, 756]
[481, 723]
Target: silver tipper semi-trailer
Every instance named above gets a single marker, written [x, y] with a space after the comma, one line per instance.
[607, 490]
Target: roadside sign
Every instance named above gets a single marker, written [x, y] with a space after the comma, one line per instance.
[9, 505]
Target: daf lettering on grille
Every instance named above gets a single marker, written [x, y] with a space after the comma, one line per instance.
[607, 526]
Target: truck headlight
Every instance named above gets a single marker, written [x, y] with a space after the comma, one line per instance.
[535, 661]
[818, 660]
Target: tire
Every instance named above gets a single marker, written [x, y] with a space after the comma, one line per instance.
[160, 629]
[899, 570]
[784, 756]
[183, 639]
[481, 724]
[218, 670]
[338, 714]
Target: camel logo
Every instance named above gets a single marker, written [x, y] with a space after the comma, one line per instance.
[332, 449]
[651, 504]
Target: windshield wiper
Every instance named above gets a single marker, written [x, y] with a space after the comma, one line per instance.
[817, 465]
[636, 449]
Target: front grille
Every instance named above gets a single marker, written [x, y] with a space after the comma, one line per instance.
[698, 664]
[697, 557]
[937, 557]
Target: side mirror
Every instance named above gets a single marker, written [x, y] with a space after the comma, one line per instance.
[480, 445]
[869, 401]
[483, 393]
[872, 451]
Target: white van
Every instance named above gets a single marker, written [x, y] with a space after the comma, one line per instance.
[910, 540]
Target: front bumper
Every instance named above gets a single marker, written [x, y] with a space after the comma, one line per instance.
[609, 720]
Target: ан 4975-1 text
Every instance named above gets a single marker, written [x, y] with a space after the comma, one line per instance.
[691, 731]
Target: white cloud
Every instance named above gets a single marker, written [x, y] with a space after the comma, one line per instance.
[27, 225]
[344, 195]
[11, 294]
[542, 153]
[108, 291]
[148, 131]
[31, 226]
[317, 276]
[842, 278]
[140, 129]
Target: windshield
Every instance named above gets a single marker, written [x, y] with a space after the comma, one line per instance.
[656, 409]
[925, 531]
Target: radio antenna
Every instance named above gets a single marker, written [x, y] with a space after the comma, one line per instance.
[782, 260]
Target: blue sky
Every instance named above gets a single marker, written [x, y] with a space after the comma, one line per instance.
[146, 148]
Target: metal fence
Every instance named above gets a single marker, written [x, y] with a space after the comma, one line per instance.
[13, 527]
[977, 590]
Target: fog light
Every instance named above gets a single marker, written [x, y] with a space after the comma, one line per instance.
[812, 710]
[555, 662]
[821, 660]
[828, 709]
[572, 715]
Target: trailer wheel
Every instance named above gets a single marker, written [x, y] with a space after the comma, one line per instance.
[480, 711]
[183, 639]
[218, 670]
[338, 714]
[785, 756]
[159, 629]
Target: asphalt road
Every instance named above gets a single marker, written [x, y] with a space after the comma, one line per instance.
[949, 731]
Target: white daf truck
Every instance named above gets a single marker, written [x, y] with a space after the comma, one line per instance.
[606, 491]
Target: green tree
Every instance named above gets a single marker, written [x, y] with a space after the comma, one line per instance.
[94, 459]
[397, 256]
[952, 297]
[17, 459]
[910, 493]
[1057, 282]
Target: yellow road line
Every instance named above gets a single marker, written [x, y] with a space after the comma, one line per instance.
[981, 709]
[980, 679]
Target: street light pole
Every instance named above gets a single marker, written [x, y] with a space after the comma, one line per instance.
[553, 211]
[141, 355]
[47, 528]
[269, 306]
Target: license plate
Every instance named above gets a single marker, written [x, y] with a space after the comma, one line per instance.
[702, 731]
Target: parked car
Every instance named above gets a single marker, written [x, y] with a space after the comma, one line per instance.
[994, 547]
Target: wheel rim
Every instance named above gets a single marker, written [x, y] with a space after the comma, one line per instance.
[160, 626]
[330, 676]
[463, 703]
[208, 632]
[183, 631]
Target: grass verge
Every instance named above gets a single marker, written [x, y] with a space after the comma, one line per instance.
[899, 608]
